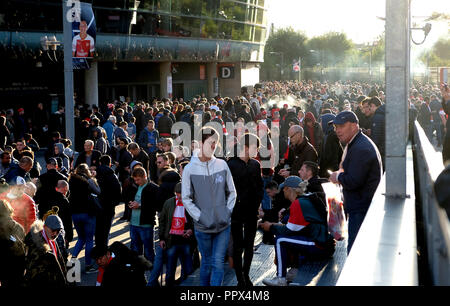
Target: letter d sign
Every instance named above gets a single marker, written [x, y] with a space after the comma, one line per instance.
[226, 72]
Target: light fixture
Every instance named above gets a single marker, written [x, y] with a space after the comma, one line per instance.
[426, 30]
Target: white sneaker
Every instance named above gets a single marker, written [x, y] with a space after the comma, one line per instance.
[291, 275]
[276, 281]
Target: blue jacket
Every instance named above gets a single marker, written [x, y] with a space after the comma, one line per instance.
[362, 174]
[146, 137]
[109, 129]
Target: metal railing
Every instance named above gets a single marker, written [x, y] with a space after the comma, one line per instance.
[429, 165]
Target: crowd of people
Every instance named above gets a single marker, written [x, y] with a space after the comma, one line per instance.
[208, 197]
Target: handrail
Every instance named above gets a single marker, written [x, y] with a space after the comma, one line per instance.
[436, 223]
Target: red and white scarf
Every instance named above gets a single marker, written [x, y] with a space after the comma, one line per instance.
[51, 243]
[178, 219]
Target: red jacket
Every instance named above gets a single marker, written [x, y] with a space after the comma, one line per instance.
[24, 209]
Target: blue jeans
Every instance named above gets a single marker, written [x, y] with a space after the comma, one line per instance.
[182, 251]
[142, 237]
[354, 223]
[213, 248]
[85, 227]
[438, 127]
[160, 258]
[266, 202]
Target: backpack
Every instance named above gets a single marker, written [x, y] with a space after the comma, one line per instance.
[318, 204]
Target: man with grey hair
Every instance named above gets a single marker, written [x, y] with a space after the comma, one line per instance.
[299, 151]
[90, 156]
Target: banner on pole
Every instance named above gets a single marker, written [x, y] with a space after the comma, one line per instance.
[84, 34]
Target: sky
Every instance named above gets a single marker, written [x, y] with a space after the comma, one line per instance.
[357, 18]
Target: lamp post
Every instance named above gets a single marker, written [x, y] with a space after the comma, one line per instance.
[69, 13]
[282, 62]
[369, 49]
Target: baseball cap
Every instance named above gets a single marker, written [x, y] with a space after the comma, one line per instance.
[135, 163]
[344, 117]
[54, 222]
[291, 181]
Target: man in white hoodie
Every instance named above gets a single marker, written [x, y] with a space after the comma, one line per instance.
[209, 195]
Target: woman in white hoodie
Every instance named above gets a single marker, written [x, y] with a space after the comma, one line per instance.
[209, 195]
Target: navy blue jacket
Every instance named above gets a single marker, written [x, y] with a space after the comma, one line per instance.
[362, 174]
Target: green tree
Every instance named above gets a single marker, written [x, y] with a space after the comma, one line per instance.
[438, 55]
[284, 41]
[329, 49]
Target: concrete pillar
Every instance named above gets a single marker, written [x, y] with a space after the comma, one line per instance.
[397, 88]
[165, 79]
[91, 84]
[211, 73]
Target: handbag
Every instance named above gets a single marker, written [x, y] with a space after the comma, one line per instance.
[95, 208]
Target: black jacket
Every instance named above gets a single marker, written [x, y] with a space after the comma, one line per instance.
[95, 159]
[79, 191]
[249, 187]
[149, 204]
[165, 125]
[378, 129]
[65, 213]
[331, 154]
[110, 186]
[126, 269]
[144, 159]
[47, 184]
[167, 181]
[298, 154]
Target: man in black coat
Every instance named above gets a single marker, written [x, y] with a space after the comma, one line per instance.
[109, 199]
[121, 266]
[47, 183]
[139, 155]
[165, 124]
[309, 172]
[300, 150]
[58, 197]
[246, 172]
[90, 156]
[123, 159]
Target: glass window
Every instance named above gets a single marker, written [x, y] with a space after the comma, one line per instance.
[27, 15]
[112, 21]
[190, 27]
[210, 8]
[260, 16]
[239, 11]
[225, 30]
[110, 3]
[209, 28]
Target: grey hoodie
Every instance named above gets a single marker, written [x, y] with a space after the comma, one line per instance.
[208, 194]
[66, 162]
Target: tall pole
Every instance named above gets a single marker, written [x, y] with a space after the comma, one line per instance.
[68, 73]
[397, 88]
